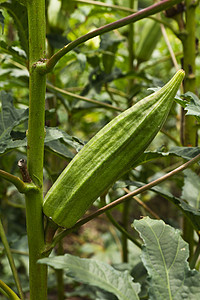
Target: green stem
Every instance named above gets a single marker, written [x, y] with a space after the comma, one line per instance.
[11, 260]
[122, 230]
[20, 185]
[111, 205]
[60, 274]
[66, 93]
[117, 24]
[195, 256]
[35, 148]
[8, 292]
[125, 219]
[189, 132]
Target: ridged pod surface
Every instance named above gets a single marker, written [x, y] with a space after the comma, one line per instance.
[151, 34]
[108, 155]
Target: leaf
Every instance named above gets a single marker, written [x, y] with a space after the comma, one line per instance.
[19, 14]
[56, 139]
[191, 189]
[165, 256]
[18, 54]
[96, 273]
[190, 212]
[53, 134]
[10, 117]
[109, 44]
[2, 21]
[185, 152]
[150, 155]
[191, 103]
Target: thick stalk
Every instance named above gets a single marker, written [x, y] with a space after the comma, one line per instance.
[35, 148]
[189, 131]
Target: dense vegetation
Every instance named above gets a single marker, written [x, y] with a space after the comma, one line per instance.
[62, 67]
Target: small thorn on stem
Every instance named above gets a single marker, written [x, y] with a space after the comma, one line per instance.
[24, 171]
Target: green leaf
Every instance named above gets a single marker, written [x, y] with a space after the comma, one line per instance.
[19, 14]
[56, 140]
[150, 155]
[10, 117]
[190, 212]
[109, 44]
[185, 152]
[96, 273]
[165, 256]
[191, 103]
[2, 21]
[191, 189]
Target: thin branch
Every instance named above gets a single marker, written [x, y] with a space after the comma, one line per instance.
[8, 292]
[146, 12]
[23, 187]
[122, 230]
[20, 185]
[141, 203]
[173, 57]
[11, 260]
[111, 205]
[64, 92]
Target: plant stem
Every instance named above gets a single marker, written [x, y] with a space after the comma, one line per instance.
[35, 148]
[153, 9]
[20, 185]
[11, 260]
[99, 103]
[189, 132]
[60, 274]
[141, 203]
[8, 292]
[195, 256]
[111, 205]
[125, 219]
[122, 230]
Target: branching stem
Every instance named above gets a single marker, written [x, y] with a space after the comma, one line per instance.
[153, 9]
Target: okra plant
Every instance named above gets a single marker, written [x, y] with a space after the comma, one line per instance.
[56, 57]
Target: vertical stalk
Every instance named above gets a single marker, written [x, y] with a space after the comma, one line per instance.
[11, 260]
[125, 219]
[189, 125]
[133, 4]
[35, 148]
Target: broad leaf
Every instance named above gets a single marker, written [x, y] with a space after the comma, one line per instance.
[56, 140]
[2, 21]
[185, 152]
[189, 211]
[191, 189]
[19, 14]
[10, 117]
[190, 103]
[165, 256]
[96, 273]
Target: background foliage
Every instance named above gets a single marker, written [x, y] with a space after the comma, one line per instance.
[88, 87]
